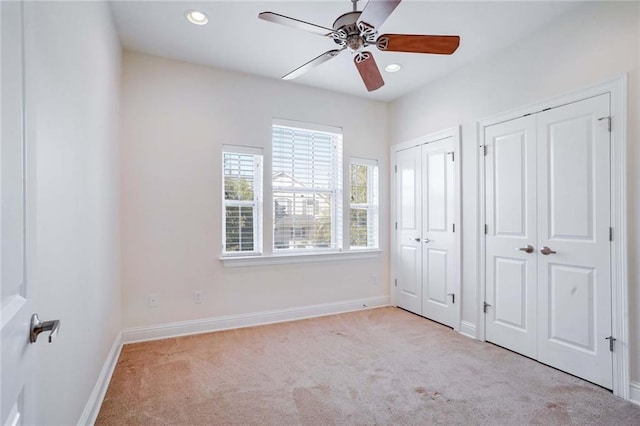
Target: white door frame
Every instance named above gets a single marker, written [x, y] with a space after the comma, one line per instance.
[617, 88]
[453, 132]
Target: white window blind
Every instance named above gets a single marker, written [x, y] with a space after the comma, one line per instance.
[307, 187]
[242, 193]
[363, 214]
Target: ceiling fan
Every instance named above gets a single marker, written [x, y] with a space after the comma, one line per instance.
[354, 31]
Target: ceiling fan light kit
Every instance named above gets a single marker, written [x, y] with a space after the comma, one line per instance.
[354, 31]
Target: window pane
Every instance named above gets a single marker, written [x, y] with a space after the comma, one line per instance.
[359, 183]
[239, 229]
[302, 220]
[359, 231]
[238, 176]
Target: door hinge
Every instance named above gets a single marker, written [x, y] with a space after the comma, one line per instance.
[608, 122]
[486, 229]
[610, 234]
[395, 168]
[453, 227]
[484, 150]
[453, 155]
[485, 305]
[611, 339]
[453, 298]
[396, 225]
[396, 282]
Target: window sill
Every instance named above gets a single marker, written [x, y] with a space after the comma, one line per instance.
[288, 259]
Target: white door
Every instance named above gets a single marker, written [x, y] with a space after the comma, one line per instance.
[438, 238]
[574, 283]
[511, 233]
[548, 186]
[409, 230]
[15, 307]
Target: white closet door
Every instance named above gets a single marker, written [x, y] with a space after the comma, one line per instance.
[510, 249]
[574, 292]
[409, 219]
[438, 242]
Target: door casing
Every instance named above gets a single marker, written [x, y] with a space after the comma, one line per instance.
[617, 88]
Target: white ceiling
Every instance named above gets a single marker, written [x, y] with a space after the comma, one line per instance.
[235, 39]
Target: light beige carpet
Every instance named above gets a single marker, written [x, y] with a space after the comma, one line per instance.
[382, 366]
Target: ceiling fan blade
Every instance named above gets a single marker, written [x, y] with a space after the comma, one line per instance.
[295, 23]
[438, 44]
[368, 71]
[312, 64]
[377, 11]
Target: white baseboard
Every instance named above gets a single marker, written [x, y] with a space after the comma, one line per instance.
[206, 325]
[468, 329]
[634, 392]
[92, 407]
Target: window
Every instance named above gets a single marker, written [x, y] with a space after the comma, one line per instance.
[307, 187]
[363, 214]
[242, 181]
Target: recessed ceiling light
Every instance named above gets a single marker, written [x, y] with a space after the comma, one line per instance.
[392, 68]
[197, 17]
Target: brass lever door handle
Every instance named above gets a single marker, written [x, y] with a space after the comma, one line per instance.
[38, 327]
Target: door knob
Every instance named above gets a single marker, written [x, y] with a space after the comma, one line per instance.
[526, 249]
[546, 251]
[38, 327]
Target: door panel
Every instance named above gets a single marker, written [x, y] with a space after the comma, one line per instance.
[510, 184]
[511, 274]
[436, 271]
[438, 238]
[409, 214]
[436, 191]
[570, 146]
[571, 306]
[574, 294]
[510, 293]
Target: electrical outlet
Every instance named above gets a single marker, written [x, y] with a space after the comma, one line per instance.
[153, 300]
[197, 297]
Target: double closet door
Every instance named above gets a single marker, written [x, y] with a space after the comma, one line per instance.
[547, 242]
[425, 252]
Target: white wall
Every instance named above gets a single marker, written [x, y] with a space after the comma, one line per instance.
[175, 118]
[595, 42]
[73, 85]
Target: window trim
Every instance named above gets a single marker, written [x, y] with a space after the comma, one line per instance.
[296, 258]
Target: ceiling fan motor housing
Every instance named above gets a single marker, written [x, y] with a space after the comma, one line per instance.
[352, 34]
